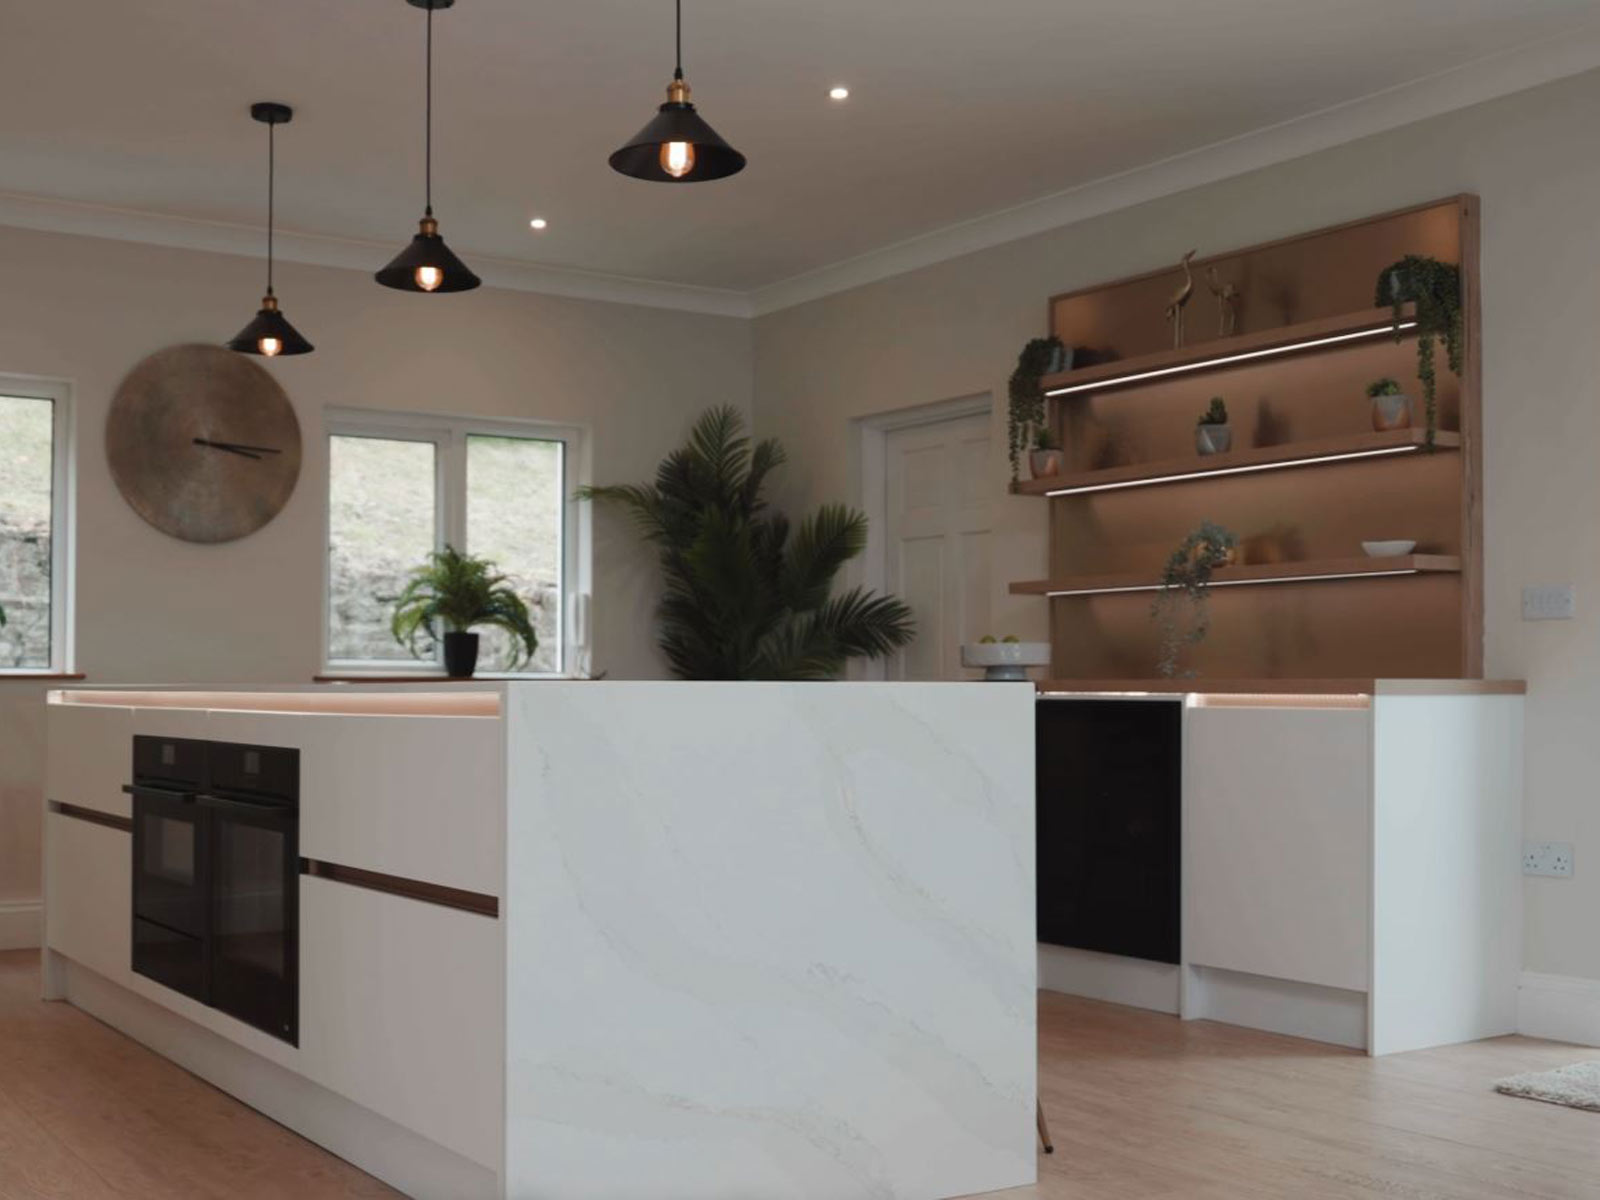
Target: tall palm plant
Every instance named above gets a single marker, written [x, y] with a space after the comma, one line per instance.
[745, 595]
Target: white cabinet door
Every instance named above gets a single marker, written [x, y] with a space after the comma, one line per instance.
[1277, 808]
[89, 894]
[938, 522]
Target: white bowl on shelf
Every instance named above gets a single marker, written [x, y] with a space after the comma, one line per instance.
[1394, 548]
[1005, 661]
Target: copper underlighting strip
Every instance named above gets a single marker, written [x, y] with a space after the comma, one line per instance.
[93, 816]
[394, 885]
[1216, 583]
[1208, 474]
[1117, 381]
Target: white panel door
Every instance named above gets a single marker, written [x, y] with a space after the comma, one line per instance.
[938, 524]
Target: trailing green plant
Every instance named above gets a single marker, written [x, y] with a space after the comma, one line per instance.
[1026, 411]
[2, 616]
[745, 596]
[1435, 288]
[1217, 414]
[453, 592]
[1044, 438]
[1383, 387]
[1180, 609]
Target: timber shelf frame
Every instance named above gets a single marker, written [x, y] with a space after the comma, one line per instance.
[1294, 381]
[1314, 453]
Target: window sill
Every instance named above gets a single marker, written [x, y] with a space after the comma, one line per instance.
[40, 676]
[486, 677]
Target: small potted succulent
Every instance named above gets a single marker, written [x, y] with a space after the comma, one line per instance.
[1212, 433]
[1391, 407]
[1046, 459]
[446, 597]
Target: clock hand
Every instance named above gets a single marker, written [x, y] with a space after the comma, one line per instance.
[242, 453]
[244, 446]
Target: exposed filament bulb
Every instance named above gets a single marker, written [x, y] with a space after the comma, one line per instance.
[677, 158]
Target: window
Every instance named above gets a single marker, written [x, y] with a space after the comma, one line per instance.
[34, 526]
[400, 487]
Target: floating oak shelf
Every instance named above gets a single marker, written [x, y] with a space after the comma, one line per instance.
[1259, 458]
[1368, 324]
[1324, 571]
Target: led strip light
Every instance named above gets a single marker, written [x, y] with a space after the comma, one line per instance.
[1206, 364]
[1216, 583]
[1205, 474]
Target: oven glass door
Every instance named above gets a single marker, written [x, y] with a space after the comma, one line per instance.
[169, 889]
[255, 875]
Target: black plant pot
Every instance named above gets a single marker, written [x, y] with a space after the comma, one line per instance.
[460, 655]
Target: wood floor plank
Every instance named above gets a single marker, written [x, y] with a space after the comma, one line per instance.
[1142, 1107]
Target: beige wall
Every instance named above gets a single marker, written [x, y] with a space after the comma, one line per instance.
[150, 608]
[1534, 158]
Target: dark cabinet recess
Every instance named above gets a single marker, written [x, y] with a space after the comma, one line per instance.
[1109, 801]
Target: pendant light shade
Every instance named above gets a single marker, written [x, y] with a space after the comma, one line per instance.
[270, 334]
[677, 146]
[427, 264]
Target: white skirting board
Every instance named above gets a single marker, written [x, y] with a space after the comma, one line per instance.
[1562, 1008]
[1110, 977]
[402, 1159]
[1304, 1010]
[21, 922]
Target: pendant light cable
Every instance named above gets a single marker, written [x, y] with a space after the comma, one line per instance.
[272, 188]
[427, 137]
[678, 74]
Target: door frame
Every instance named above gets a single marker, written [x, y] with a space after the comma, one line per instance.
[872, 475]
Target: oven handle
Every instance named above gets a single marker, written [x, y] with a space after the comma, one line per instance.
[156, 793]
[206, 800]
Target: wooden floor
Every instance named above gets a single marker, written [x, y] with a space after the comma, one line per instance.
[1143, 1107]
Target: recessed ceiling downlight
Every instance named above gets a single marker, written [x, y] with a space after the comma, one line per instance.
[839, 93]
[538, 223]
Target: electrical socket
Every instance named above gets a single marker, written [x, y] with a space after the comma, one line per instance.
[1547, 858]
[1556, 602]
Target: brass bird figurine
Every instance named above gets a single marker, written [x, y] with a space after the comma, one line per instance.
[1179, 299]
[1227, 295]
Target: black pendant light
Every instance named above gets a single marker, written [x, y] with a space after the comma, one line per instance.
[427, 264]
[270, 334]
[677, 146]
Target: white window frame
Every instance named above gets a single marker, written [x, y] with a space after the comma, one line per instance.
[449, 436]
[63, 529]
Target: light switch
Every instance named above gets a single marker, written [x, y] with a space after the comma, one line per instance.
[1557, 602]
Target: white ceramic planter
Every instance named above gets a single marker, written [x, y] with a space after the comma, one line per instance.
[1005, 661]
[1391, 412]
[1046, 464]
[1213, 439]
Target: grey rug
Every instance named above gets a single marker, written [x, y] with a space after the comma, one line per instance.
[1577, 1086]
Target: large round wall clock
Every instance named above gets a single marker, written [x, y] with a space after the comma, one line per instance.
[203, 443]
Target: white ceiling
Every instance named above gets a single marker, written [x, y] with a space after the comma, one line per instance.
[958, 110]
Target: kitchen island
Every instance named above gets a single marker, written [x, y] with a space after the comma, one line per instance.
[584, 939]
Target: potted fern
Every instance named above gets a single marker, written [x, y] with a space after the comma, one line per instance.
[450, 594]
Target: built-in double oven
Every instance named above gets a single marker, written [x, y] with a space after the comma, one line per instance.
[216, 872]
